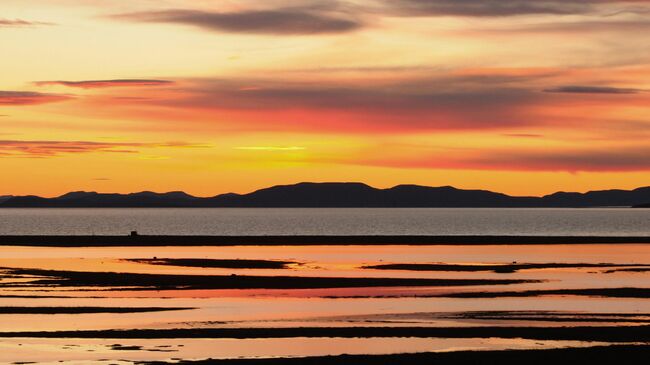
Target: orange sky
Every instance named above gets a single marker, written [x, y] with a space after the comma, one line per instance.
[212, 96]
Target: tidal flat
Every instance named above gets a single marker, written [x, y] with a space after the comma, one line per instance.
[323, 304]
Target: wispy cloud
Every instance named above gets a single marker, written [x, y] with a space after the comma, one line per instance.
[284, 21]
[577, 89]
[633, 158]
[491, 8]
[96, 84]
[39, 148]
[523, 135]
[20, 23]
[53, 148]
[270, 148]
[585, 26]
[30, 98]
[154, 157]
[629, 158]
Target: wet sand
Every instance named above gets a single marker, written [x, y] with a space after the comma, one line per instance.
[118, 305]
[602, 292]
[500, 316]
[638, 269]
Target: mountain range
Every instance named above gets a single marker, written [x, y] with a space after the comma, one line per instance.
[332, 195]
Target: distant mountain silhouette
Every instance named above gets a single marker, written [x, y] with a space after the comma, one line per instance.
[81, 199]
[330, 195]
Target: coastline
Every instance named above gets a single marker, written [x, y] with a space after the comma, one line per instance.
[621, 334]
[304, 240]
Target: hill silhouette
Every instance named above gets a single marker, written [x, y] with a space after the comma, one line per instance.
[335, 195]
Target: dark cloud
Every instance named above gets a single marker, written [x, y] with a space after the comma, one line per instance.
[577, 89]
[279, 21]
[29, 98]
[94, 84]
[501, 8]
[487, 8]
[398, 97]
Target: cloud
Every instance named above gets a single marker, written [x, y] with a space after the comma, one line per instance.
[595, 160]
[270, 148]
[487, 8]
[523, 135]
[29, 98]
[427, 100]
[54, 148]
[577, 89]
[22, 148]
[630, 158]
[624, 25]
[96, 84]
[404, 104]
[504, 8]
[286, 21]
[20, 23]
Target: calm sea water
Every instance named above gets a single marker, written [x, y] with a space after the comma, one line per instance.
[306, 221]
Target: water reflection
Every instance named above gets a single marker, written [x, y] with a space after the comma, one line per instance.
[317, 307]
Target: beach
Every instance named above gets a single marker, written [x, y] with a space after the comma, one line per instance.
[410, 298]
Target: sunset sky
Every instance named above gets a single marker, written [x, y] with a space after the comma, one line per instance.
[211, 96]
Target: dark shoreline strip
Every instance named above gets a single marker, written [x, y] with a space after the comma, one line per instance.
[85, 310]
[587, 333]
[614, 354]
[329, 240]
[505, 268]
[216, 263]
[58, 278]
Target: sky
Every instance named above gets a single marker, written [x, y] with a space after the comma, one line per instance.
[214, 96]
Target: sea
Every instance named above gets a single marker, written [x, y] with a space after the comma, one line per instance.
[328, 221]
